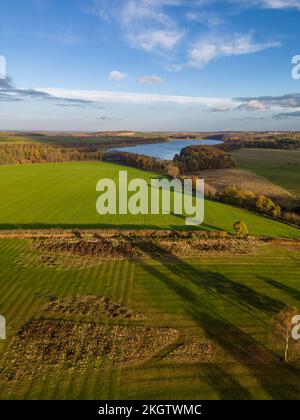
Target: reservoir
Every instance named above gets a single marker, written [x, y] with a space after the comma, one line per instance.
[166, 150]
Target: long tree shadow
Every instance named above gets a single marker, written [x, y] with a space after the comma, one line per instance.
[278, 380]
[293, 293]
[214, 282]
[224, 383]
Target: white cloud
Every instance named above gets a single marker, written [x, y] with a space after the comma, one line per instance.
[253, 105]
[145, 24]
[258, 104]
[210, 49]
[139, 98]
[208, 18]
[275, 4]
[139, 10]
[155, 27]
[150, 80]
[156, 40]
[117, 75]
[289, 101]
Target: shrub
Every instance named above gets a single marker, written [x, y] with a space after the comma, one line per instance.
[241, 229]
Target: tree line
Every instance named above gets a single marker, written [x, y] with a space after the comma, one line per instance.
[285, 143]
[42, 153]
[250, 201]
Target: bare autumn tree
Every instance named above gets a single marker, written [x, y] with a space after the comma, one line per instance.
[282, 329]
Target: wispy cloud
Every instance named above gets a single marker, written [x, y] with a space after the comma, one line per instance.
[155, 26]
[156, 41]
[205, 17]
[139, 98]
[209, 49]
[152, 10]
[150, 80]
[146, 24]
[287, 115]
[291, 101]
[274, 4]
[129, 12]
[10, 93]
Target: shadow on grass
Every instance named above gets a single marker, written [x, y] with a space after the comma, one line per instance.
[279, 381]
[224, 384]
[293, 293]
[216, 283]
[105, 226]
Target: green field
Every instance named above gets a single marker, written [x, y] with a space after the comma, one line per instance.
[64, 196]
[10, 139]
[230, 300]
[282, 167]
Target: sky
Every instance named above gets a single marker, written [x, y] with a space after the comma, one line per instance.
[149, 65]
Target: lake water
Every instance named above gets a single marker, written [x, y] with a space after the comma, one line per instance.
[167, 150]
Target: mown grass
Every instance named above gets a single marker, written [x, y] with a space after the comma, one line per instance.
[282, 167]
[228, 299]
[64, 195]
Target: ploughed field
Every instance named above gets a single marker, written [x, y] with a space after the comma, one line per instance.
[150, 327]
[64, 196]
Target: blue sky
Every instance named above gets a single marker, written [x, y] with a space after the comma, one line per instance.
[191, 65]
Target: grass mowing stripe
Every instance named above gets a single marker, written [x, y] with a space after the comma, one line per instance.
[198, 297]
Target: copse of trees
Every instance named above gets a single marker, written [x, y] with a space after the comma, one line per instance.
[199, 158]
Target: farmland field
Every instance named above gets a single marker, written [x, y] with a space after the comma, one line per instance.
[153, 326]
[64, 196]
[149, 204]
[228, 300]
[282, 167]
[246, 180]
